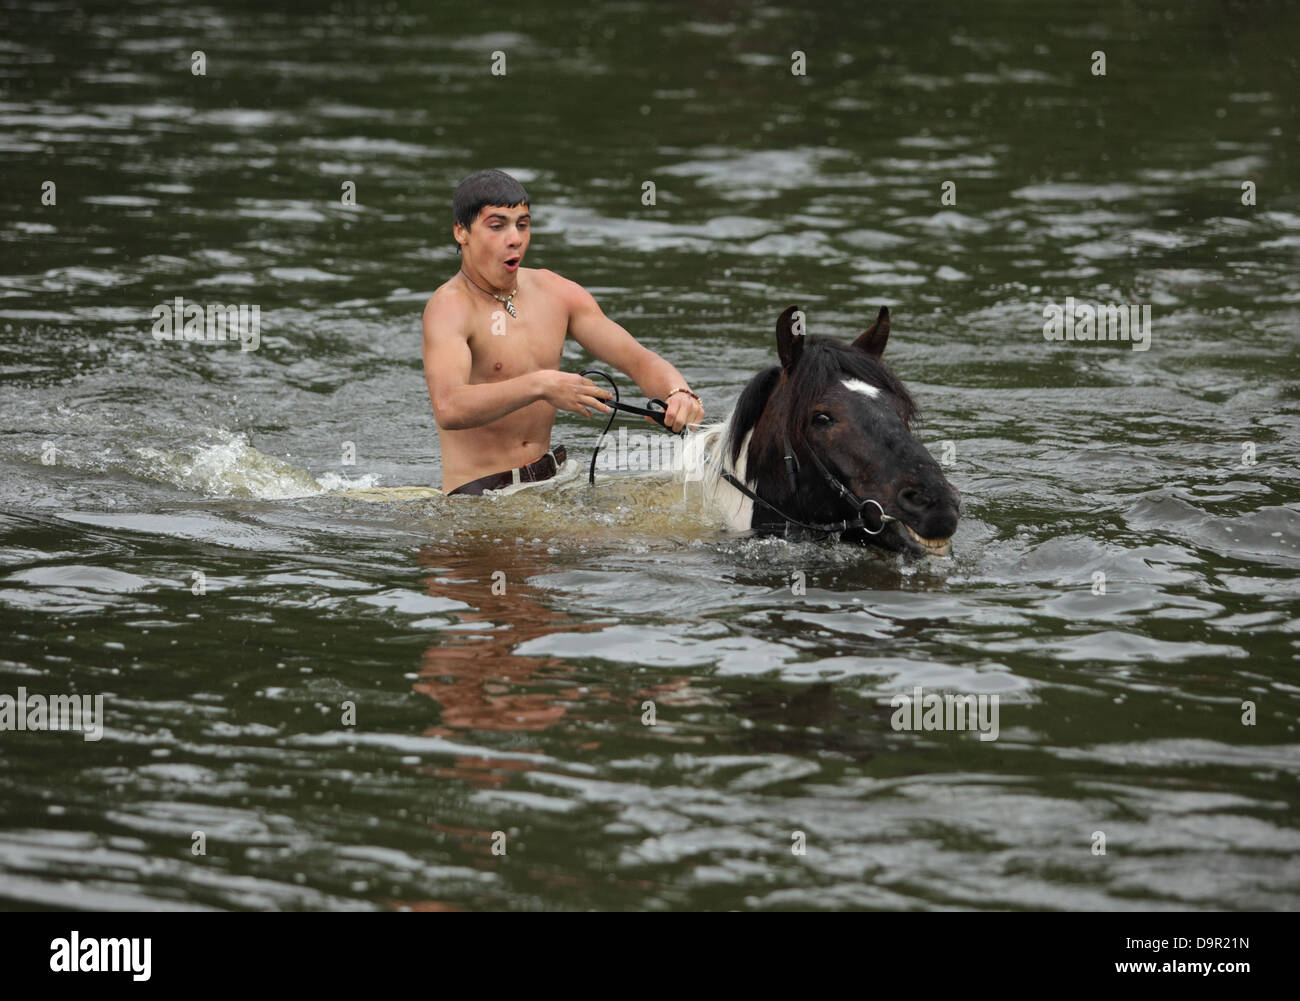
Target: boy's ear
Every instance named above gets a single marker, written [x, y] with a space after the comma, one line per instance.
[789, 344]
[875, 337]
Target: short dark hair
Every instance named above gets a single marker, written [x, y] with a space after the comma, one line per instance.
[487, 187]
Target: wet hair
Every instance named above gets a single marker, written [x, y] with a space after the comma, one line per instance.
[487, 187]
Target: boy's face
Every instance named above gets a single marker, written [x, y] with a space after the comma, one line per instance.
[496, 243]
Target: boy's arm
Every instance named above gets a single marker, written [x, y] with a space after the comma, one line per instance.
[458, 404]
[612, 344]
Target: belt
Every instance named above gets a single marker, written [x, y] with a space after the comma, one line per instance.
[543, 469]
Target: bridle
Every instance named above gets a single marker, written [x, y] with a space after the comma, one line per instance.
[791, 469]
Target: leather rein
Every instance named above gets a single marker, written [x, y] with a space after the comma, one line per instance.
[615, 406]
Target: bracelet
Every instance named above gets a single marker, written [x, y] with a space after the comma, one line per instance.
[683, 389]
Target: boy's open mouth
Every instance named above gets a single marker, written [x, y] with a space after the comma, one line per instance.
[512, 263]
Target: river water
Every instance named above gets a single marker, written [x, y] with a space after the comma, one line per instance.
[498, 655]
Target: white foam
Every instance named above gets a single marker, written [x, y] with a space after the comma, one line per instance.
[232, 467]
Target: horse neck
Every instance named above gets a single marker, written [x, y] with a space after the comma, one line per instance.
[766, 448]
[705, 459]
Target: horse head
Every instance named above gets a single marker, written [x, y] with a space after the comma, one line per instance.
[843, 419]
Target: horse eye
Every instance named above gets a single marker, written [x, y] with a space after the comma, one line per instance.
[822, 420]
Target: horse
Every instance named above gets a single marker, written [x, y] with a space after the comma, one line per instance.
[821, 446]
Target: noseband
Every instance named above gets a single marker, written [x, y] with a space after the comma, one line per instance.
[791, 468]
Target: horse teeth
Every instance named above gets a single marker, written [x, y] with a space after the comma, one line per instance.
[935, 547]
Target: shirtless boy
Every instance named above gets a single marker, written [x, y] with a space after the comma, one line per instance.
[493, 338]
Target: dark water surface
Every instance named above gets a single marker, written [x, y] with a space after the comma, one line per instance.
[521, 712]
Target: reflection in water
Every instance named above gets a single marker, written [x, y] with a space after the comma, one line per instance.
[473, 674]
[480, 683]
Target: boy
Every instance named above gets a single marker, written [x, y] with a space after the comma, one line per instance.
[493, 338]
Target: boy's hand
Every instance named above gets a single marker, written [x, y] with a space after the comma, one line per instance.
[575, 393]
[683, 409]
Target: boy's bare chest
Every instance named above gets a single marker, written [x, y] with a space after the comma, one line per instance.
[511, 347]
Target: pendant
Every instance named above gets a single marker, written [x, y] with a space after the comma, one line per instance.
[510, 308]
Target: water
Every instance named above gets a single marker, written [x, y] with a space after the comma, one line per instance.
[518, 708]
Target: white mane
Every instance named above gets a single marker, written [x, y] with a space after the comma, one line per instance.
[703, 463]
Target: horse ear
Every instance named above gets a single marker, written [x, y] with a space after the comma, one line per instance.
[873, 339]
[789, 340]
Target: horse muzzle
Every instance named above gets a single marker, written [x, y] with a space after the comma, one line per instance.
[927, 517]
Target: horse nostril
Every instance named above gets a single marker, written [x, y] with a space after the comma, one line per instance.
[915, 501]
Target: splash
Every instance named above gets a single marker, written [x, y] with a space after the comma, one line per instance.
[232, 467]
[629, 509]
[621, 507]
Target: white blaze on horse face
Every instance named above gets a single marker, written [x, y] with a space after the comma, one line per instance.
[865, 388]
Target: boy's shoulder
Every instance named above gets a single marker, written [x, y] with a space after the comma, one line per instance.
[545, 275]
[450, 293]
[555, 283]
[452, 288]
[448, 309]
